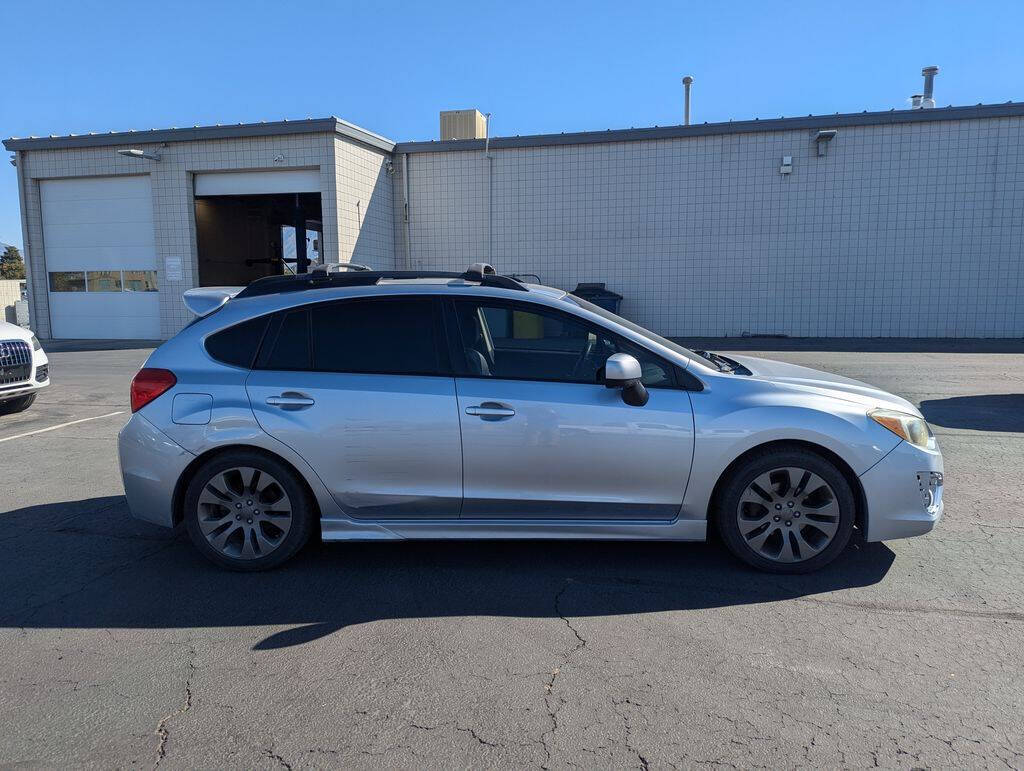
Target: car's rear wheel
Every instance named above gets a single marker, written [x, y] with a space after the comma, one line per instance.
[247, 511]
[20, 404]
[786, 511]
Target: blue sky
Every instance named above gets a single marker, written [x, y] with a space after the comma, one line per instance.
[537, 66]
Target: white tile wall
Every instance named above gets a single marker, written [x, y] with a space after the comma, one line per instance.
[901, 230]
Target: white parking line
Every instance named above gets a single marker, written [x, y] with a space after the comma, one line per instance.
[62, 425]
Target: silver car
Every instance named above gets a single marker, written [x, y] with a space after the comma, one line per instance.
[367, 405]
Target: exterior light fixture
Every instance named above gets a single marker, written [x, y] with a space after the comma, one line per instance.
[136, 153]
[823, 138]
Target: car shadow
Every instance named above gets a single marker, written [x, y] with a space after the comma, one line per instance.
[86, 564]
[989, 412]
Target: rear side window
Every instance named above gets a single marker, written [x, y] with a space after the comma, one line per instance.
[397, 336]
[237, 345]
[288, 347]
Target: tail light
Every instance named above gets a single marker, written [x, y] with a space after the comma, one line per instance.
[148, 384]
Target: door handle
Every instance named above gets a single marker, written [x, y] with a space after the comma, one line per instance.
[290, 400]
[491, 411]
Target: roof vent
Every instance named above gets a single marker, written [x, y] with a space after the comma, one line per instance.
[926, 101]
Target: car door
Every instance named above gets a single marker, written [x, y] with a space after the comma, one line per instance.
[362, 389]
[542, 437]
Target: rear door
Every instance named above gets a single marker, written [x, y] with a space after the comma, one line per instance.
[543, 438]
[362, 389]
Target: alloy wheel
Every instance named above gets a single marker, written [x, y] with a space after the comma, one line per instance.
[788, 514]
[244, 513]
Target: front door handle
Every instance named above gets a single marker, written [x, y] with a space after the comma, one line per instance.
[290, 400]
[491, 411]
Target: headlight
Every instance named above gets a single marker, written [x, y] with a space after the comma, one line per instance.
[35, 344]
[906, 426]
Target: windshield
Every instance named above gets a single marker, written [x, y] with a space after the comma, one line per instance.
[605, 314]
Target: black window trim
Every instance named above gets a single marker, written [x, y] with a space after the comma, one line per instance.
[462, 370]
[442, 342]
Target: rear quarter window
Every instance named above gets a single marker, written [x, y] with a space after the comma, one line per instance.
[237, 345]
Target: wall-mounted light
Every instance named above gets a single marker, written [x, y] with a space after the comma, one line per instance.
[823, 138]
[787, 165]
[14, 160]
[136, 153]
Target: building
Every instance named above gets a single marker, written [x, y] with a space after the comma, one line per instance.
[906, 223]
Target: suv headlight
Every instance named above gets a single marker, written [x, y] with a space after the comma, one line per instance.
[35, 344]
[906, 426]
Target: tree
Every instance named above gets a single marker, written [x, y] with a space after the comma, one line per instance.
[11, 264]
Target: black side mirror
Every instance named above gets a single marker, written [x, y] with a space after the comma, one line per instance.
[635, 394]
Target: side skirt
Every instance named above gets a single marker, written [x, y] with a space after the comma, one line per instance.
[397, 530]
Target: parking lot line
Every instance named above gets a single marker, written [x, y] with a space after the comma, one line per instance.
[60, 425]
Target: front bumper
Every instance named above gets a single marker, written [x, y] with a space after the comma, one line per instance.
[38, 380]
[904, 493]
[151, 465]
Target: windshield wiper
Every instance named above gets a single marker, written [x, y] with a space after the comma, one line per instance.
[719, 361]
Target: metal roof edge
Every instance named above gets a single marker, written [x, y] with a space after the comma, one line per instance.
[1009, 109]
[274, 128]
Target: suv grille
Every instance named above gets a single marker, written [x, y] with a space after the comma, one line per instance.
[15, 361]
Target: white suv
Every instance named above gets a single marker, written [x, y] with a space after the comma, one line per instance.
[24, 368]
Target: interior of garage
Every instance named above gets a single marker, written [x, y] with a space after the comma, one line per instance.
[241, 238]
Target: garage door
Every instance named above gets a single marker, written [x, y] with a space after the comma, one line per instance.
[101, 257]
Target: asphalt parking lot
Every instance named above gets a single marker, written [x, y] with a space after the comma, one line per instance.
[120, 646]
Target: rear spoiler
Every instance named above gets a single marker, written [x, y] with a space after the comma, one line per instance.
[205, 300]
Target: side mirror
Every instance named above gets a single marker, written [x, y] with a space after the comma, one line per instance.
[623, 371]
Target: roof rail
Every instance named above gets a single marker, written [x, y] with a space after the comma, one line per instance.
[480, 273]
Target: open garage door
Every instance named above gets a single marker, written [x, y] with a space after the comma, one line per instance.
[253, 224]
[101, 257]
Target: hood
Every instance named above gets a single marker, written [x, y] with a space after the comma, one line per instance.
[824, 383]
[10, 331]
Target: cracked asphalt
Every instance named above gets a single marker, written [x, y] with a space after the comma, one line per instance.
[121, 647]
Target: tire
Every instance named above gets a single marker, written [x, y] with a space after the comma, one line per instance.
[234, 511]
[786, 511]
[20, 404]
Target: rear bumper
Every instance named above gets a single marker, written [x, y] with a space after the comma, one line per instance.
[151, 465]
[904, 493]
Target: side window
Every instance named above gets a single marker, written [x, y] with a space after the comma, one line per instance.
[289, 349]
[237, 345]
[388, 335]
[510, 341]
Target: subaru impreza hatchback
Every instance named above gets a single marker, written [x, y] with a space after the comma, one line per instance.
[368, 405]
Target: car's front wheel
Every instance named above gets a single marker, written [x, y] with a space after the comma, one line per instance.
[786, 511]
[247, 511]
[20, 404]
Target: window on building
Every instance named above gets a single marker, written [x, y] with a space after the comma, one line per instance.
[140, 280]
[67, 281]
[103, 280]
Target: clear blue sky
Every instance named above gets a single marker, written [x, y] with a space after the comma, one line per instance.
[537, 66]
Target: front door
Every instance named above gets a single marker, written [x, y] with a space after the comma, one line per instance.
[544, 439]
[360, 389]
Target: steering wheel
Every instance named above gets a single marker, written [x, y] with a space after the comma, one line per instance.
[588, 349]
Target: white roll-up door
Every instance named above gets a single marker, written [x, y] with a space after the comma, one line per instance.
[101, 257]
[258, 182]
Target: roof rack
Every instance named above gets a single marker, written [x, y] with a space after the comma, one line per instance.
[478, 272]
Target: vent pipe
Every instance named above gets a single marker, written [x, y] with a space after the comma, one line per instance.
[927, 98]
[687, 82]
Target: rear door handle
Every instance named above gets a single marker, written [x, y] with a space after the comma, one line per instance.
[290, 400]
[491, 411]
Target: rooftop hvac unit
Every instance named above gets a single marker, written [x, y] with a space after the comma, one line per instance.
[463, 124]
